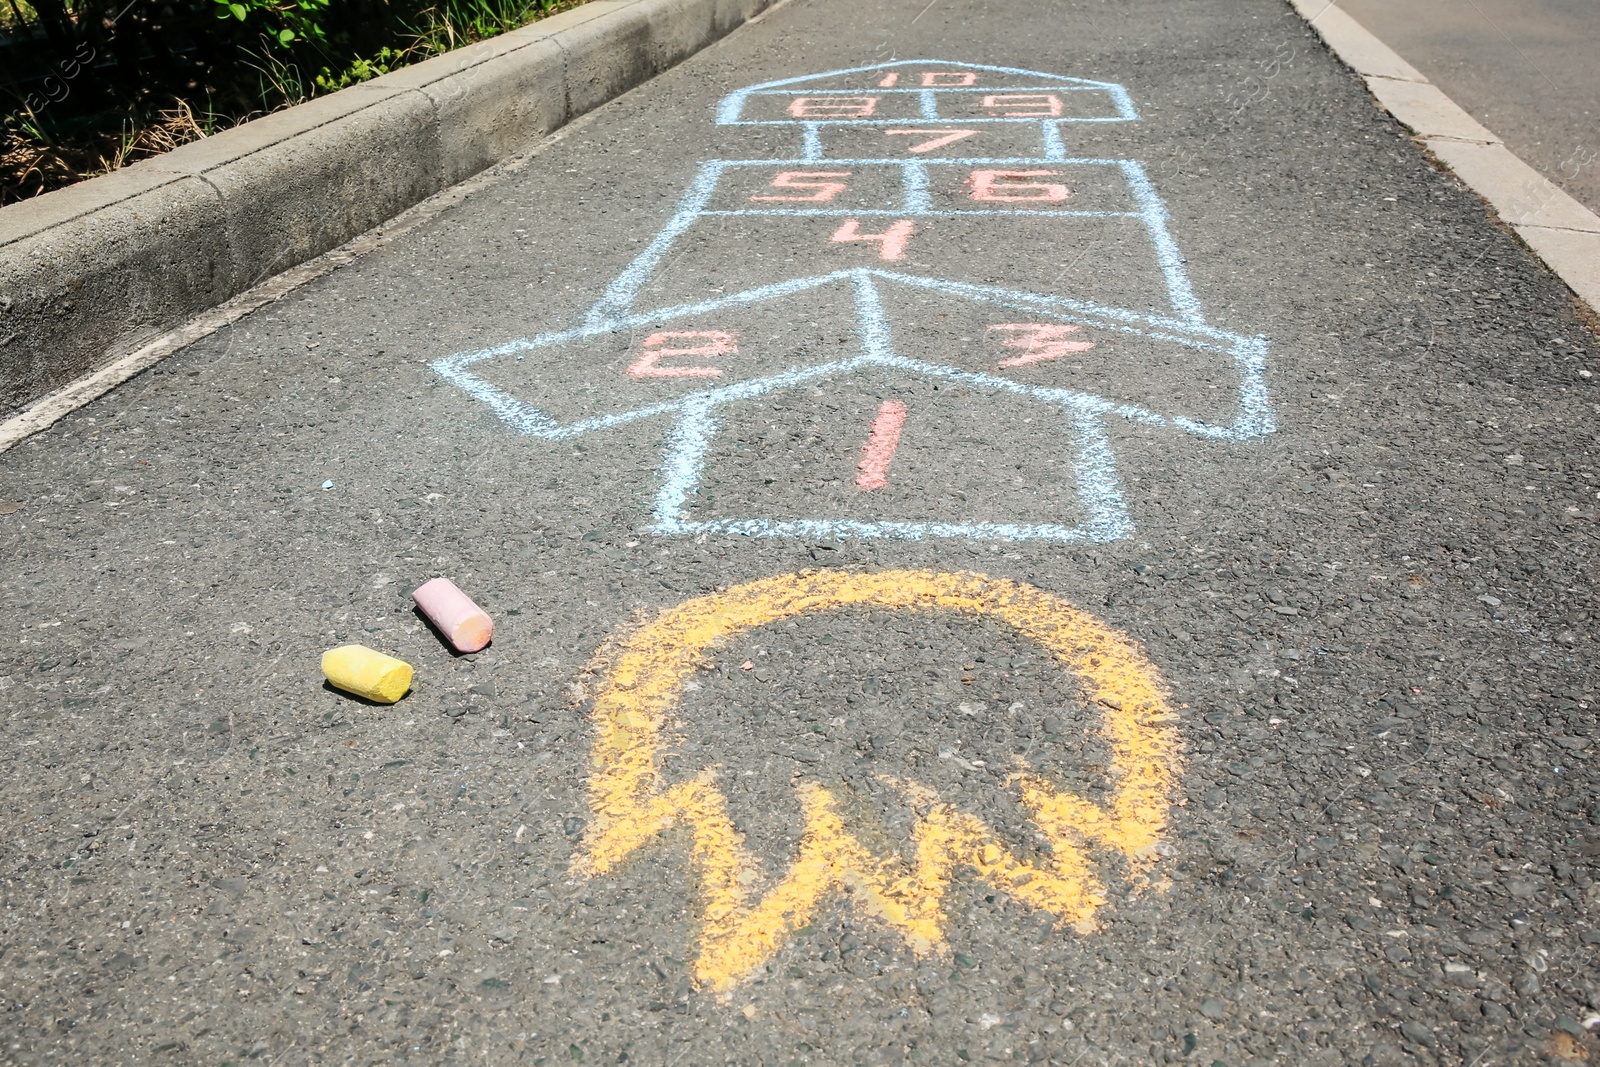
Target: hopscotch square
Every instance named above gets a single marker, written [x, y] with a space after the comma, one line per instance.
[596, 377]
[867, 104]
[1198, 379]
[1083, 465]
[976, 140]
[1026, 104]
[786, 187]
[977, 458]
[1028, 186]
[1066, 255]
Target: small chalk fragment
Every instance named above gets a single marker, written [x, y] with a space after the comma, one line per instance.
[360, 670]
[465, 625]
[328, 484]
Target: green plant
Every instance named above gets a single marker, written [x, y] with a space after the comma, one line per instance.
[361, 70]
[90, 85]
[287, 21]
[453, 23]
[281, 83]
[13, 15]
[438, 29]
[125, 146]
[29, 126]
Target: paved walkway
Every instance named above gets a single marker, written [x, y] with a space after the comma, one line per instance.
[1523, 69]
[1016, 531]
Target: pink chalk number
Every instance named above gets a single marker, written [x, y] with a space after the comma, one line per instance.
[872, 472]
[833, 107]
[716, 343]
[1009, 185]
[805, 179]
[936, 79]
[1040, 342]
[1024, 105]
[939, 138]
[891, 242]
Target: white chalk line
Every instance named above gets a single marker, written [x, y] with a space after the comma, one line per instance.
[690, 441]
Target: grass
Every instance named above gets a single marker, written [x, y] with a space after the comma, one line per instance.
[460, 22]
[35, 161]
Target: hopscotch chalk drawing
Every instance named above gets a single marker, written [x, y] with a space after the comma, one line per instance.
[928, 279]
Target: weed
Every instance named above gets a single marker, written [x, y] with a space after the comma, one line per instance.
[453, 23]
[281, 83]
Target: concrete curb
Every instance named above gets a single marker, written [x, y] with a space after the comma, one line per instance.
[100, 269]
[1559, 230]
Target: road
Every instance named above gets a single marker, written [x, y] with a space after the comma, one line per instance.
[1521, 69]
[1017, 532]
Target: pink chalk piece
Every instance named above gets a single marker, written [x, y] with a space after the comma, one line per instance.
[834, 107]
[1003, 185]
[890, 80]
[1040, 342]
[718, 343]
[1024, 105]
[939, 138]
[891, 242]
[804, 179]
[873, 469]
[948, 79]
[466, 626]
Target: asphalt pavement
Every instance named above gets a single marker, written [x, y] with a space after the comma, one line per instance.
[1523, 68]
[1035, 532]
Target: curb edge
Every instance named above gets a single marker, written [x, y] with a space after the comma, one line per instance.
[1560, 231]
[102, 279]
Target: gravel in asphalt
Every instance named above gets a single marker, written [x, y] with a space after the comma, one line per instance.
[1366, 589]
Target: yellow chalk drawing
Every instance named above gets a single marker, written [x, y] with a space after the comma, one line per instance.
[741, 928]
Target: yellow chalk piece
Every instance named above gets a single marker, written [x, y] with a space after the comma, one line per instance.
[358, 669]
[740, 931]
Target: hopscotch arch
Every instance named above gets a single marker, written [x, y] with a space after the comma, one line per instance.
[1089, 459]
[731, 111]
